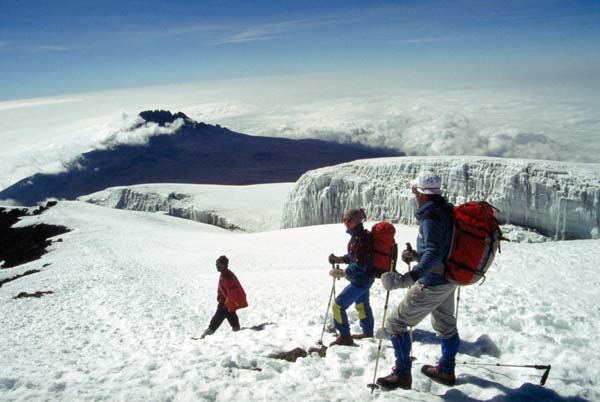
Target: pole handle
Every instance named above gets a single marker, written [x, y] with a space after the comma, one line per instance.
[546, 374]
[534, 366]
[394, 257]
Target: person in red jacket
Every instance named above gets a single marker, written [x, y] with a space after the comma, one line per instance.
[230, 296]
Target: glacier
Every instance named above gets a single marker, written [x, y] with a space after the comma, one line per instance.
[252, 208]
[557, 199]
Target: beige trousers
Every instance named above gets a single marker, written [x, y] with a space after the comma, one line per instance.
[422, 300]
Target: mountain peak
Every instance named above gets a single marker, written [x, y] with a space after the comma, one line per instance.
[162, 117]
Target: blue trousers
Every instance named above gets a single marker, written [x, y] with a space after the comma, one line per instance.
[360, 297]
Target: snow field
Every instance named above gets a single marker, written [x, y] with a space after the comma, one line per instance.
[132, 288]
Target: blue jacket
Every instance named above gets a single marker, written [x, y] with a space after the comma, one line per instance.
[433, 242]
[358, 257]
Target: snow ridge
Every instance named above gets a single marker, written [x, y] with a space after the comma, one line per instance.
[557, 199]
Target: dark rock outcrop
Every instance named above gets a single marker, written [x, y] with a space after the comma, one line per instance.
[21, 245]
[38, 294]
[162, 117]
[14, 278]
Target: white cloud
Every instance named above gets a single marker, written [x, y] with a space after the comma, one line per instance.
[423, 40]
[137, 132]
[265, 31]
[34, 48]
[537, 123]
[27, 103]
[48, 48]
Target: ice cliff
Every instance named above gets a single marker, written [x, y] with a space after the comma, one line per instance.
[254, 208]
[559, 200]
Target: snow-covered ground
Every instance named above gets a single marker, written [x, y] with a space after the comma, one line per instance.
[131, 288]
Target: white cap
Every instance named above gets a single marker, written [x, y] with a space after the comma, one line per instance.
[427, 183]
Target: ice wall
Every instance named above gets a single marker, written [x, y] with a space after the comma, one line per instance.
[560, 200]
[174, 204]
[253, 208]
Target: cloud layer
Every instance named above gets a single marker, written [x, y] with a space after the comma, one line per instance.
[46, 135]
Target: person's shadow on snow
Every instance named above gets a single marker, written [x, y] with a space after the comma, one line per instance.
[525, 393]
[485, 346]
[482, 345]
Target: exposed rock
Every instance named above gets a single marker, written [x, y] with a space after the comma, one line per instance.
[14, 278]
[290, 356]
[37, 294]
[24, 244]
[162, 117]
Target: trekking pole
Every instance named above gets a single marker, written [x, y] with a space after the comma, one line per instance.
[410, 329]
[374, 386]
[534, 366]
[331, 295]
[457, 304]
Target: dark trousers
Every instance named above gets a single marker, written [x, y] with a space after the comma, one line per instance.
[220, 315]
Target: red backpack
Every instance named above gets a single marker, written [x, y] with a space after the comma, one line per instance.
[382, 248]
[475, 240]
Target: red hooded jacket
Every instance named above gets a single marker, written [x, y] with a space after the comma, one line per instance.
[230, 292]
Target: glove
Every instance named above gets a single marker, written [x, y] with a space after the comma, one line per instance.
[335, 259]
[394, 280]
[337, 273]
[409, 256]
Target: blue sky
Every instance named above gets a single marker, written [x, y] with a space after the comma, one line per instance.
[59, 47]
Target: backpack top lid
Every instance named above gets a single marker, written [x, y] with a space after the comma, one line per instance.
[478, 215]
[384, 229]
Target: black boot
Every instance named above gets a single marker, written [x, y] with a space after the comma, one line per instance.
[443, 377]
[343, 341]
[207, 333]
[395, 380]
[361, 336]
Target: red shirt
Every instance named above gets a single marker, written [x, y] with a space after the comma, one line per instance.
[230, 292]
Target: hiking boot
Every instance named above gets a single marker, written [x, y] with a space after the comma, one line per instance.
[206, 333]
[235, 329]
[361, 336]
[443, 377]
[395, 380]
[343, 341]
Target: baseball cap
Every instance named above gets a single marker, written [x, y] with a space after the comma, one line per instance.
[427, 183]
